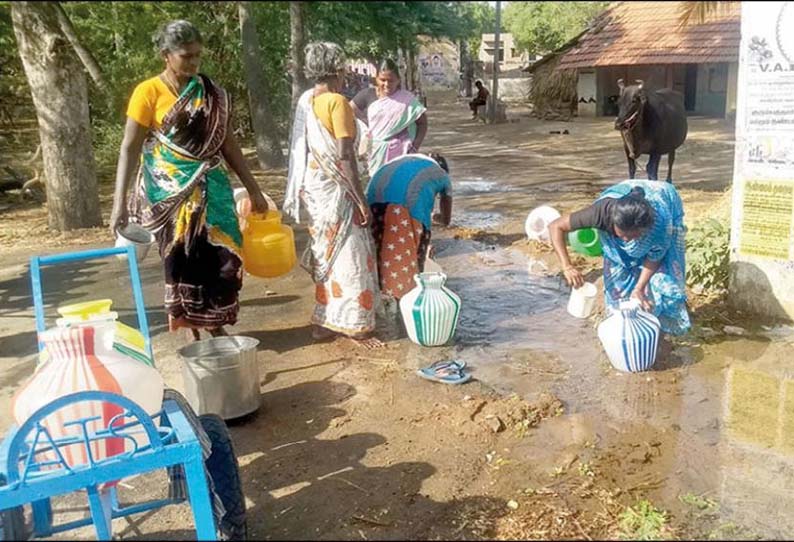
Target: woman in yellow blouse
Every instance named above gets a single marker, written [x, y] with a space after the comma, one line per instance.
[178, 132]
[323, 178]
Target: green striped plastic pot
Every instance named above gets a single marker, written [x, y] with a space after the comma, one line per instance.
[430, 311]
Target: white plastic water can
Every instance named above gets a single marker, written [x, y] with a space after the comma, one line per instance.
[538, 220]
[630, 337]
[580, 304]
[430, 311]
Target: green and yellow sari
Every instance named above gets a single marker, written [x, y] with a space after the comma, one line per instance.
[183, 195]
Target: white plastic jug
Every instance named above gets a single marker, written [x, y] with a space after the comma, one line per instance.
[537, 223]
[430, 311]
[580, 304]
[630, 337]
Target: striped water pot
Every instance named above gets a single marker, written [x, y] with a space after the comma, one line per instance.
[430, 311]
[630, 337]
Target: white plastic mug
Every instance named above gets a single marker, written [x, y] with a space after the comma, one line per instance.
[582, 300]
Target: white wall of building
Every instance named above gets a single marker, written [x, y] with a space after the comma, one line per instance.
[438, 65]
[513, 57]
[587, 92]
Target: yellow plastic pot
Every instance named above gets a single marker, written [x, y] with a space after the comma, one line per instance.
[86, 309]
[268, 245]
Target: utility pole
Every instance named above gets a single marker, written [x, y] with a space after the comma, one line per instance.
[497, 49]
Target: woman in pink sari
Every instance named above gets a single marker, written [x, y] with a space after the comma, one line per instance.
[397, 120]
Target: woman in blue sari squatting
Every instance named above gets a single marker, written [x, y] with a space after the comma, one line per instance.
[642, 232]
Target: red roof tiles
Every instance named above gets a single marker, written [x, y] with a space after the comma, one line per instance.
[630, 33]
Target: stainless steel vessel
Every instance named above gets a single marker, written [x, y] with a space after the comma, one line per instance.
[221, 376]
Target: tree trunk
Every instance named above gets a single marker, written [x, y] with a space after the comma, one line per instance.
[404, 58]
[495, 88]
[467, 68]
[60, 95]
[118, 44]
[297, 44]
[88, 60]
[268, 144]
[411, 62]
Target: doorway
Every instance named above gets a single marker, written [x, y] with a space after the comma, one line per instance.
[690, 86]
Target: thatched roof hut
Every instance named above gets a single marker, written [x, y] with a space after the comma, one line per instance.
[553, 92]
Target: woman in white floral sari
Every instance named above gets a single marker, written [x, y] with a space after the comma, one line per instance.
[323, 176]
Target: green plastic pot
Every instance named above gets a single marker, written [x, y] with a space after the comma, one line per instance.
[586, 242]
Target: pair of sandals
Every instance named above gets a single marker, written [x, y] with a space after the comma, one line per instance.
[446, 372]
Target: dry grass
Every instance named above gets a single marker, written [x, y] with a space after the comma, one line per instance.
[553, 91]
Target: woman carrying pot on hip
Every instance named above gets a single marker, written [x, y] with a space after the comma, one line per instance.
[641, 225]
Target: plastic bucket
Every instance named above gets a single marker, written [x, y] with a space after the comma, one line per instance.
[221, 376]
[538, 220]
[582, 300]
[135, 235]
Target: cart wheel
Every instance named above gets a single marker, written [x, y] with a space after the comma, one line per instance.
[224, 471]
[12, 521]
[12, 524]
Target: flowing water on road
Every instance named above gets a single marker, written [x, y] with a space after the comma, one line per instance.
[718, 409]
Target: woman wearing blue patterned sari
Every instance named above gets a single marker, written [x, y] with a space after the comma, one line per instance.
[642, 236]
[178, 125]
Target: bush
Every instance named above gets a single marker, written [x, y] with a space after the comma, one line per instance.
[708, 255]
[107, 143]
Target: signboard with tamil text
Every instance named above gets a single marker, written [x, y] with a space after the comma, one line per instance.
[762, 229]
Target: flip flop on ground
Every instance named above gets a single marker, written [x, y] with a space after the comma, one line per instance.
[445, 372]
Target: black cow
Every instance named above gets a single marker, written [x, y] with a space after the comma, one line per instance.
[652, 123]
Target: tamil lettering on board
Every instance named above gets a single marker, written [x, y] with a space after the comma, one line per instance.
[764, 171]
[767, 209]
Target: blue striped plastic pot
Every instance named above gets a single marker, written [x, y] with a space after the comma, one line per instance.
[630, 337]
[430, 311]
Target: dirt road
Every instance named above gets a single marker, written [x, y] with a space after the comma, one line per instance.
[549, 442]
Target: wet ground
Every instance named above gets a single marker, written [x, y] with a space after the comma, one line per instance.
[714, 419]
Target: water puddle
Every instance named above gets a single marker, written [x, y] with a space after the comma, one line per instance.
[723, 411]
[468, 186]
[477, 220]
[499, 295]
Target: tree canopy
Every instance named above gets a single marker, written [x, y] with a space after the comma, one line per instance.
[119, 35]
[541, 27]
